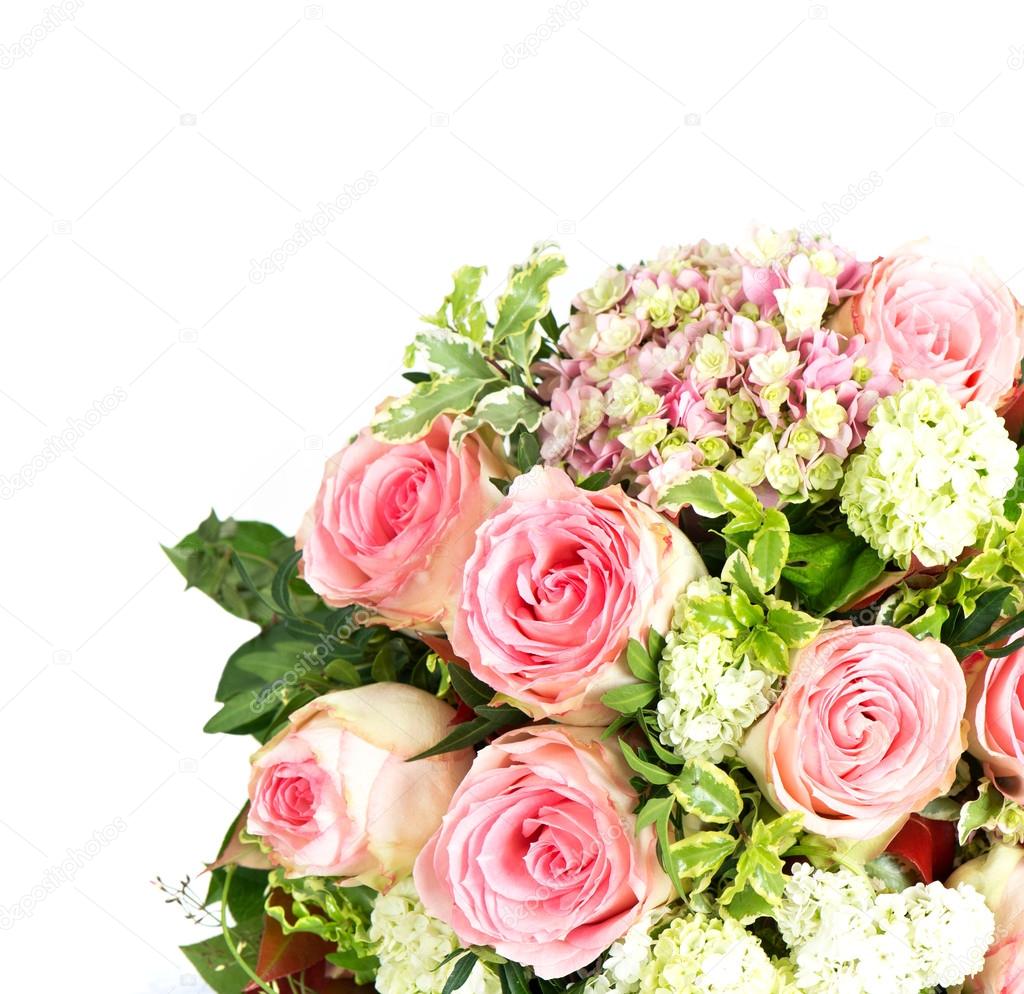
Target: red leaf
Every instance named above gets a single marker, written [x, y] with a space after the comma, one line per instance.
[928, 845]
[281, 955]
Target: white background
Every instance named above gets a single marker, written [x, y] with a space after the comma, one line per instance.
[150, 153]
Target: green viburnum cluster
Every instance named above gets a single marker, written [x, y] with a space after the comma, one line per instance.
[991, 812]
[930, 476]
[971, 596]
[339, 915]
[731, 637]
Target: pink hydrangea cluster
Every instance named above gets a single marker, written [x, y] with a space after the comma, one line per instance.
[712, 357]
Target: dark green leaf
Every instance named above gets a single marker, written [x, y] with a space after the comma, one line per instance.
[830, 570]
[213, 960]
[460, 973]
[651, 772]
[469, 733]
[641, 665]
[596, 481]
[470, 689]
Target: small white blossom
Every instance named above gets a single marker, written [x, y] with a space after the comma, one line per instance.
[708, 698]
[412, 947]
[846, 938]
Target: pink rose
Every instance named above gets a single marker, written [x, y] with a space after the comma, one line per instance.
[995, 711]
[560, 579]
[332, 793]
[999, 876]
[947, 321]
[538, 855]
[868, 730]
[393, 525]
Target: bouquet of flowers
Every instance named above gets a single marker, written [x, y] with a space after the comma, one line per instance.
[675, 646]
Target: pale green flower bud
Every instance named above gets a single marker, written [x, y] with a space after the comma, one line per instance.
[742, 408]
[714, 449]
[804, 440]
[825, 415]
[783, 472]
[643, 437]
[712, 361]
[825, 262]
[825, 473]
[688, 300]
[675, 441]
[631, 400]
[748, 309]
[606, 292]
[717, 400]
[774, 395]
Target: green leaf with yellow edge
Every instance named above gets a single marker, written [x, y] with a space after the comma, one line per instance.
[736, 498]
[767, 650]
[794, 627]
[738, 572]
[713, 614]
[461, 310]
[980, 813]
[707, 791]
[409, 418]
[767, 553]
[504, 410]
[524, 302]
[450, 355]
[695, 490]
[761, 869]
[701, 853]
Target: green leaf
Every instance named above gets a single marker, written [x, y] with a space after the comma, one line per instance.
[596, 481]
[767, 553]
[469, 733]
[461, 310]
[655, 645]
[1015, 498]
[745, 905]
[651, 772]
[411, 417]
[707, 791]
[987, 611]
[641, 665]
[738, 572]
[761, 868]
[778, 834]
[736, 498]
[701, 854]
[523, 303]
[982, 812]
[513, 978]
[694, 490]
[460, 973]
[795, 628]
[768, 651]
[713, 614]
[654, 809]
[470, 689]
[213, 960]
[504, 410]
[451, 355]
[205, 559]
[830, 570]
[527, 451]
[630, 698]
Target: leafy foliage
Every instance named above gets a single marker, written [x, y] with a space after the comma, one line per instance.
[485, 381]
[208, 559]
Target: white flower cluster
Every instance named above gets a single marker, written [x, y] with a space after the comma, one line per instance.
[708, 698]
[931, 474]
[691, 953]
[411, 946]
[624, 962]
[845, 938]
